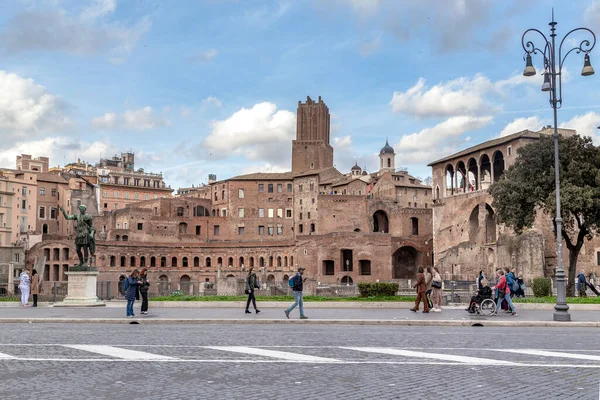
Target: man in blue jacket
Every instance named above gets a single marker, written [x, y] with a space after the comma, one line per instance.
[297, 281]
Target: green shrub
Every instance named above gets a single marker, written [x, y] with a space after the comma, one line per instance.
[542, 287]
[376, 289]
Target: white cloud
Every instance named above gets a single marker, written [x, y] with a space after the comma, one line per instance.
[520, 124]
[425, 145]
[363, 7]
[27, 108]
[60, 150]
[585, 125]
[89, 32]
[139, 120]
[205, 57]
[209, 55]
[342, 142]
[185, 112]
[211, 100]
[261, 133]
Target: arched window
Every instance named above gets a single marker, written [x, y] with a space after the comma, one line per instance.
[219, 262]
[153, 261]
[184, 262]
[163, 261]
[118, 237]
[173, 261]
[122, 261]
[132, 261]
[279, 261]
[389, 162]
[241, 260]
[180, 211]
[125, 238]
[45, 228]
[285, 261]
[142, 261]
[183, 228]
[270, 261]
[252, 261]
[292, 261]
[196, 261]
[230, 262]
[414, 222]
[113, 261]
[261, 262]
[208, 262]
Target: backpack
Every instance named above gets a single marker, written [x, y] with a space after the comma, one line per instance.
[291, 281]
[125, 284]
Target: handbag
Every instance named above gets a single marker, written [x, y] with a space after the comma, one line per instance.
[436, 284]
[247, 291]
[501, 292]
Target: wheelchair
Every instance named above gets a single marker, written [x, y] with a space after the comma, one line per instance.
[483, 303]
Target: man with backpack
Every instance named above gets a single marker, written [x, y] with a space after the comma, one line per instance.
[295, 282]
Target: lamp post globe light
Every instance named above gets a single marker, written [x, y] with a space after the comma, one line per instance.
[553, 85]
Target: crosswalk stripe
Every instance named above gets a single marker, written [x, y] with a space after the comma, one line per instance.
[118, 352]
[434, 356]
[557, 354]
[282, 355]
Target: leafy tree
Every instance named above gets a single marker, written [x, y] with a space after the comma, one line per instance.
[528, 187]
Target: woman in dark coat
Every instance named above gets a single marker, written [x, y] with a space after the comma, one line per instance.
[131, 290]
[144, 290]
[251, 284]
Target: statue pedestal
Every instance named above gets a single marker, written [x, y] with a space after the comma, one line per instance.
[81, 290]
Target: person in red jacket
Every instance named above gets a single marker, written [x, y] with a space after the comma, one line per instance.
[503, 293]
[421, 287]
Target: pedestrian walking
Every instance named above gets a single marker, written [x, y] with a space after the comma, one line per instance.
[296, 283]
[581, 284]
[130, 287]
[428, 279]
[421, 287]
[35, 286]
[503, 293]
[143, 289]
[251, 284]
[24, 287]
[436, 290]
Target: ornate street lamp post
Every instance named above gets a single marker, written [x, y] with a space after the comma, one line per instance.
[552, 82]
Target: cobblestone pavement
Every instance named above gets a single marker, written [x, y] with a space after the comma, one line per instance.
[296, 362]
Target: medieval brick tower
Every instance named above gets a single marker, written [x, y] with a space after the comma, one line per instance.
[311, 149]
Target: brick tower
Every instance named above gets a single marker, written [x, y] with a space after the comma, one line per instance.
[311, 149]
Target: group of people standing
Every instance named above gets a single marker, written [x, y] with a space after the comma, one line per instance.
[29, 285]
[429, 290]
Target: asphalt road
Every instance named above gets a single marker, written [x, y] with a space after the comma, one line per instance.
[80, 361]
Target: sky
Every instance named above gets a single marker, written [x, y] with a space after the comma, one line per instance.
[212, 86]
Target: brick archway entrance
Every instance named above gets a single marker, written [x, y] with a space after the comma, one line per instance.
[405, 261]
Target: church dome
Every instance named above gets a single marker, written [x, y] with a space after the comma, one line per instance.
[356, 167]
[387, 149]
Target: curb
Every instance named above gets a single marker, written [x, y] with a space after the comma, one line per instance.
[211, 321]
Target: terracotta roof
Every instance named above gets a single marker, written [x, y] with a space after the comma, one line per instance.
[263, 176]
[48, 177]
[526, 134]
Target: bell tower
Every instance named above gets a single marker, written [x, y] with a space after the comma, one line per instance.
[311, 149]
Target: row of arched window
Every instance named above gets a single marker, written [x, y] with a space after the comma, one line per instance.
[163, 262]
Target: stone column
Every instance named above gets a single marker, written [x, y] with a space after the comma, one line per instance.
[478, 180]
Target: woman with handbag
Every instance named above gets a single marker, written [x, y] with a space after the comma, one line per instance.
[436, 290]
[35, 286]
[503, 293]
[143, 289]
[251, 284]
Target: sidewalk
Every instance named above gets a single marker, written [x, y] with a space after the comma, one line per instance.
[345, 316]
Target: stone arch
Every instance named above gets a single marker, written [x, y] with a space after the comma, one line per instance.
[474, 225]
[123, 260]
[292, 261]
[219, 262]
[270, 261]
[381, 222]
[270, 278]
[132, 261]
[279, 261]
[230, 276]
[125, 238]
[142, 261]
[285, 261]
[449, 177]
[404, 263]
[498, 167]
[490, 225]
[183, 228]
[286, 278]
[45, 229]
[230, 262]
[163, 261]
[346, 280]
[252, 261]
[486, 171]
[185, 284]
[241, 262]
[261, 262]
[461, 177]
[118, 237]
[472, 175]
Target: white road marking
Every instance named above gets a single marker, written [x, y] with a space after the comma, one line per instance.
[282, 355]
[5, 356]
[545, 353]
[118, 352]
[434, 356]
